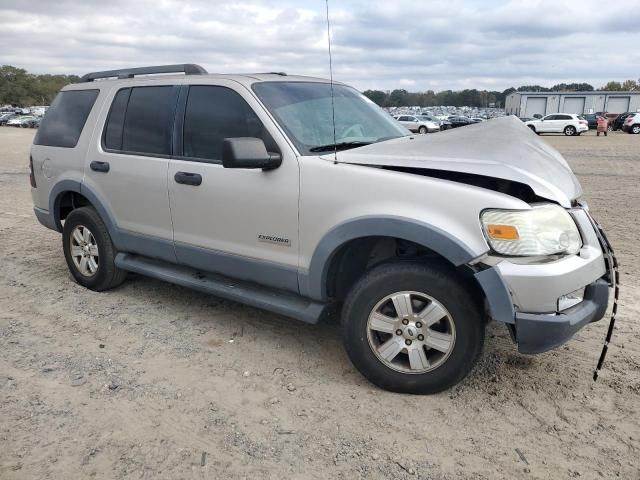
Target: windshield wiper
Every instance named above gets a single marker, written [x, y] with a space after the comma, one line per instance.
[339, 146]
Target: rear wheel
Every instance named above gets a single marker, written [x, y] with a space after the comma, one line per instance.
[423, 130]
[569, 130]
[89, 251]
[412, 328]
[635, 129]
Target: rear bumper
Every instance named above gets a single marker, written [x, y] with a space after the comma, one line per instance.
[537, 333]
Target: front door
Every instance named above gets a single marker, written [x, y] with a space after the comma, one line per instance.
[549, 124]
[241, 223]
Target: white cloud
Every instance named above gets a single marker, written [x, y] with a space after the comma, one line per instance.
[436, 44]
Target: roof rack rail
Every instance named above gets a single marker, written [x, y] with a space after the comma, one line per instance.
[187, 68]
[282, 74]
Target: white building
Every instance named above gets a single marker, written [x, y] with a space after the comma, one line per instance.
[528, 104]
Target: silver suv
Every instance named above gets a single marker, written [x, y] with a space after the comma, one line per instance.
[244, 187]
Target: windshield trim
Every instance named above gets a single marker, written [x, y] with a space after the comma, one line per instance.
[301, 148]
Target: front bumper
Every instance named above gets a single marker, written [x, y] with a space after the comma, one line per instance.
[536, 324]
[537, 333]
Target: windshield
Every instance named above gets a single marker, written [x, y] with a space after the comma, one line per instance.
[303, 109]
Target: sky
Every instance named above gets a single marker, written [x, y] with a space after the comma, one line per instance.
[377, 44]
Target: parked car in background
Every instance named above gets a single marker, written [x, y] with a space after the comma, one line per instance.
[592, 120]
[417, 124]
[5, 117]
[35, 122]
[619, 121]
[567, 123]
[632, 124]
[20, 121]
[526, 119]
[444, 125]
[459, 121]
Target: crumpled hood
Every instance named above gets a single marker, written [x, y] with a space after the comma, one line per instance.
[502, 148]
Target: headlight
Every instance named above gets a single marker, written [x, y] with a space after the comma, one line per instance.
[543, 230]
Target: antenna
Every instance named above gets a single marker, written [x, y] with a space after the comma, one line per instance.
[333, 107]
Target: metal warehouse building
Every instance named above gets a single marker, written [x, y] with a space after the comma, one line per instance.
[527, 104]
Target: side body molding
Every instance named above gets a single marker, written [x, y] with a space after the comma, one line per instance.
[76, 186]
[313, 283]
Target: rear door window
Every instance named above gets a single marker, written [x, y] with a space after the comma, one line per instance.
[65, 118]
[141, 120]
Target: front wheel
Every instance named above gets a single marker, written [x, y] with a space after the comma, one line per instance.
[89, 251]
[635, 129]
[569, 130]
[412, 328]
[423, 130]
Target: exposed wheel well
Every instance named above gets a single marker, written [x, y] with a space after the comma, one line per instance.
[67, 202]
[356, 257]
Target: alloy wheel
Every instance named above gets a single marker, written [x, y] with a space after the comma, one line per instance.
[84, 251]
[411, 332]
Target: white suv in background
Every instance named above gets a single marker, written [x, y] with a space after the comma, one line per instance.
[567, 123]
[632, 124]
[417, 123]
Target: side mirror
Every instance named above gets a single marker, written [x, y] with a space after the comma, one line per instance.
[248, 152]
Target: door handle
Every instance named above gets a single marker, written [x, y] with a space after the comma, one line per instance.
[187, 178]
[99, 166]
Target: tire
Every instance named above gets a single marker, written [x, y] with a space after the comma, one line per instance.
[100, 273]
[570, 130]
[423, 130]
[533, 129]
[635, 129]
[463, 322]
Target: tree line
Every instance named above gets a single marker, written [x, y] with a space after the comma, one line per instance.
[21, 88]
[482, 98]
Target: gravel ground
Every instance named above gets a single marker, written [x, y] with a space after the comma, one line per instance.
[155, 381]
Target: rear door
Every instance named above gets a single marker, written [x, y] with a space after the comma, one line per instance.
[242, 223]
[127, 167]
[563, 121]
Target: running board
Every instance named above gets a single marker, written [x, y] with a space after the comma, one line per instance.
[277, 301]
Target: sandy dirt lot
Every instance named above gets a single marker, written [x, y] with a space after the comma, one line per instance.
[155, 381]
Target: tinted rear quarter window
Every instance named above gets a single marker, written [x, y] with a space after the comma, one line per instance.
[115, 123]
[65, 118]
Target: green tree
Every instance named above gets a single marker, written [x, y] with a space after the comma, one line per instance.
[377, 96]
[612, 87]
[18, 87]
[398, 98]
[630, 85]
